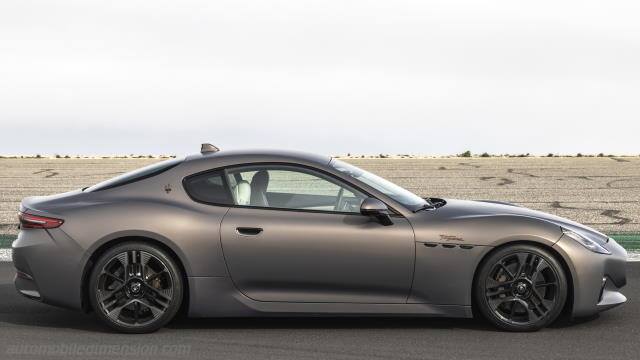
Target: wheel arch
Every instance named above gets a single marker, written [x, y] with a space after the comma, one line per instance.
[109, 242]
[568, 306]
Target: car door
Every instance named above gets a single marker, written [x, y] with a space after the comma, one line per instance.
[296, 235]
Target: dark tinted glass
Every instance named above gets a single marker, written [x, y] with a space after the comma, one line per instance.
[209, 188]
[136, 175]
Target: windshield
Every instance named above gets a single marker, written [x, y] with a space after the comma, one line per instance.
[397, 193]
[136, 175]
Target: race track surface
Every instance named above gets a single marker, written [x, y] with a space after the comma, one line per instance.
[30, 330]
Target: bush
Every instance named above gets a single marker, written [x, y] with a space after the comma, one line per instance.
[465, 154]
[485, 154]
[579, 155]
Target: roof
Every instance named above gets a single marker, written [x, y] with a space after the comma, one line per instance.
[258, 155]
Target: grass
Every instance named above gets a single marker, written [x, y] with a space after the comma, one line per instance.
[629, 241]
[6, 240]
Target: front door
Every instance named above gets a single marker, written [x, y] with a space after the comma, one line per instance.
[296, 235]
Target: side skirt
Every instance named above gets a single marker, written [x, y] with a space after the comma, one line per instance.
[218, 297]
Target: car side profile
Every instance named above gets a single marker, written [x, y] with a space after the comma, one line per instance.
[281, 233]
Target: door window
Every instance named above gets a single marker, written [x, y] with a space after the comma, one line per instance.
[288, 187]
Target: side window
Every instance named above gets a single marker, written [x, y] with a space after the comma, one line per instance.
[208, 187]
[288, 187]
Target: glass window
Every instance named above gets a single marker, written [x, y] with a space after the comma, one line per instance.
[209, 188]
[289, 187]
[397, 193]
[136, 175]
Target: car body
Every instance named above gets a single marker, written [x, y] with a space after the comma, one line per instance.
[305, 255]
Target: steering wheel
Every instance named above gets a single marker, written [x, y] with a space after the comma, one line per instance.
[339, 200]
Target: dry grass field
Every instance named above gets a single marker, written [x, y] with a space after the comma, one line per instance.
[602, 192]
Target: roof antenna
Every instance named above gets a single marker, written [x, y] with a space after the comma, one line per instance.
[208, 148]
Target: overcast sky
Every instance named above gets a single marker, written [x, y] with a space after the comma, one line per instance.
[422, 77]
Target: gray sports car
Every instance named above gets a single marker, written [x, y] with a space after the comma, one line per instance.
[274, 233]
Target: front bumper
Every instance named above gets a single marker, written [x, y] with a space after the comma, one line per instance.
[597, 278]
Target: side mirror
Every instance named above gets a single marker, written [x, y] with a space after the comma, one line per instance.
[376, 208]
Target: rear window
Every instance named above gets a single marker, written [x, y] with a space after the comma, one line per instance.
[209, 187]
[136, 175]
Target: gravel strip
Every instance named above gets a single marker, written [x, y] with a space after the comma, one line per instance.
[5, 254]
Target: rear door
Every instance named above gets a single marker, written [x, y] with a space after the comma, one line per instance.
[298, 236]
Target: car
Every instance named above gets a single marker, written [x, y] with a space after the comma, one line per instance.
[280, 233]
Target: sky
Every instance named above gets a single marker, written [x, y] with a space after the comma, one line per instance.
[333, 77]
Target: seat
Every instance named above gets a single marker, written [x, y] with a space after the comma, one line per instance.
[259, 184]
[242, 193]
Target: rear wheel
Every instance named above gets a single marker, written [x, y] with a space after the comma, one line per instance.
[521, 288]
[135, 288]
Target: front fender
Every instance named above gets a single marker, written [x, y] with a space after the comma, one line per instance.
[449, 250]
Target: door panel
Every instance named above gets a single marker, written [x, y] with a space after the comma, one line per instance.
[318, 257]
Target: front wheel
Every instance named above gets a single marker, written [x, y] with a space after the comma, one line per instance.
[520, 288]
[135, 288]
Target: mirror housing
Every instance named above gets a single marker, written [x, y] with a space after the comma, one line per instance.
[376, 208]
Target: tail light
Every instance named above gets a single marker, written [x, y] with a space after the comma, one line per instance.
[28, 221]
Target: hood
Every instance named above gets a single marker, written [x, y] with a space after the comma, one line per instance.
[468, 208]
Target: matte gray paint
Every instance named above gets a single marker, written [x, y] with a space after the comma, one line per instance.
[302, 262]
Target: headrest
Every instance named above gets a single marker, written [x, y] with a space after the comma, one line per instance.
[242, 193]
[260, 180]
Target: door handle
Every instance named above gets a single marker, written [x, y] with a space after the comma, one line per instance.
[248, 231]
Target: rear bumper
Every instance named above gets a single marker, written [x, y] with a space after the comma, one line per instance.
[597, 278]
[47, 267]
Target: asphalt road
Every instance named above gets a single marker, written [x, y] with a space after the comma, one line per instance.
[32, 330]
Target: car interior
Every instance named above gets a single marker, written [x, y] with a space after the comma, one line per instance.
[291, 189]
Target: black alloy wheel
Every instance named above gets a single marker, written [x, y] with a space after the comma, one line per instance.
[521, 288]
[136, 288]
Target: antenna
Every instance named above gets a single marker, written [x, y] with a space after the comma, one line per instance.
[208, 148]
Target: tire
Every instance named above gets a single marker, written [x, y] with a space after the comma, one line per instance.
[135, 287]
[520, 288]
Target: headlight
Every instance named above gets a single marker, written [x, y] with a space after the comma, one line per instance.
[586, 242]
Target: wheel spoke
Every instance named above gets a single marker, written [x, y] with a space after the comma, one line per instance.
[112, 277]
[522, 263]
[163, 295]
[107, 295]
[115, 312]
[156, 308]
[124, 259]
[504, 269]
[136, 312]
[542, 264]
[537, 309]
[497, 292]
